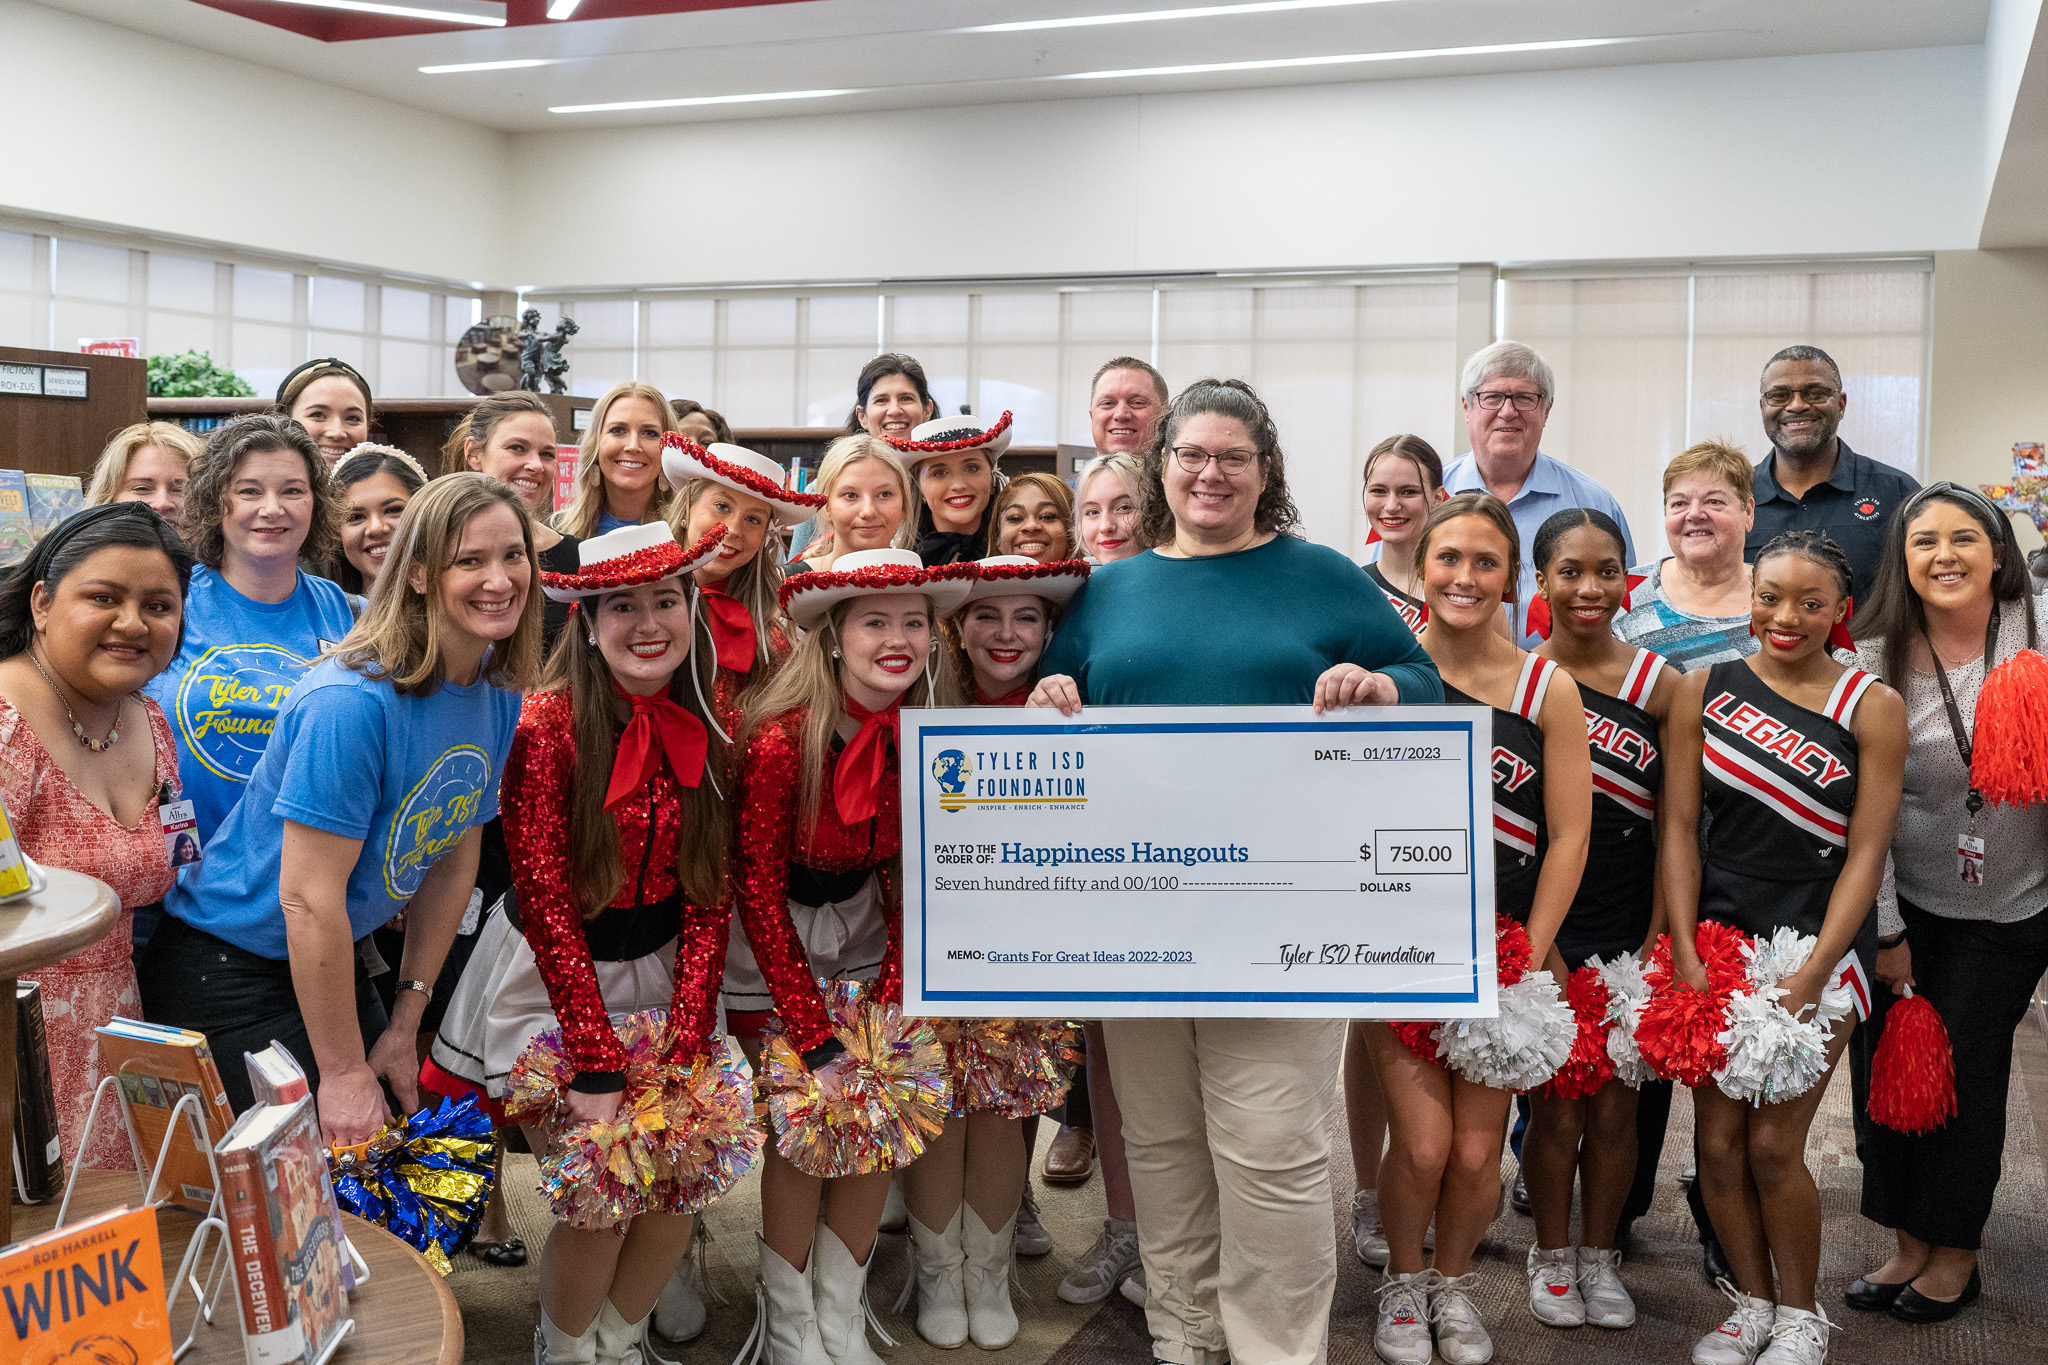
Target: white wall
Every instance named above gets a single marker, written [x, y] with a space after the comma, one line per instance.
[115, 127]
[1855, 153]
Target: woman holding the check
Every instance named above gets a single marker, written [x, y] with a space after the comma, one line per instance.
[1225, 1120]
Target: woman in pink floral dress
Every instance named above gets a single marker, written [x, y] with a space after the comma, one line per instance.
[95, 611]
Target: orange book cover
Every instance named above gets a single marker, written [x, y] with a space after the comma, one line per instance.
[89, 1294]
[283, 1234]
[156, 1066]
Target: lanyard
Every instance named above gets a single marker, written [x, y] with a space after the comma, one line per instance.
[1975, 801]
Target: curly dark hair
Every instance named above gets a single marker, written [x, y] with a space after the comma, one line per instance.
[1231, 398]
[206, 491]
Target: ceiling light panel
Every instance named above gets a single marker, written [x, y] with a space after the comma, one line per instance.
[562, 9]
[697, 101]
[482, 13]
[1344, 59]
[512, 65]
[1157, 15]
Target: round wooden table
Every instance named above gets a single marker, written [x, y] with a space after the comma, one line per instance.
[72, 912]
[403, 1313]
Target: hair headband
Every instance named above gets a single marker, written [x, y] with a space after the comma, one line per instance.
[69, 528]
[1967, 494]
[339, 366]
[383, 453]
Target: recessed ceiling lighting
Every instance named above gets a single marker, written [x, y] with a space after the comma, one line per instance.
[694, 101]
[562, 9]
[484, 13]
[1344, 59]
[1155, 15]
[512, 65]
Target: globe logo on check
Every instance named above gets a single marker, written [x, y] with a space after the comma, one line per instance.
[950, 770]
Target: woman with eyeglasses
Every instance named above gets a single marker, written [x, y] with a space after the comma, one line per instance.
[1286, 622]
[1962, 920]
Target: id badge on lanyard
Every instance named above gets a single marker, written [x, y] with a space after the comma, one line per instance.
[181, 828]
[1969, 848]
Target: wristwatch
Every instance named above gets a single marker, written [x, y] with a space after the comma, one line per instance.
[425, 988]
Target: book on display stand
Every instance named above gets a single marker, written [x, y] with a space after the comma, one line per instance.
[38, 1152]
[156, 1068]
[87, 1294]
[285, 1230]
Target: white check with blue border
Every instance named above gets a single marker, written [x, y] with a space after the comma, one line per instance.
[1228, 861]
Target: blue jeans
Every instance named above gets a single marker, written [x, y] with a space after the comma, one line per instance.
[242, 1002]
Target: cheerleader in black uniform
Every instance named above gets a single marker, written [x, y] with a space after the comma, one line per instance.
[1444, 1159]
[1582, 572]
[1799, 762]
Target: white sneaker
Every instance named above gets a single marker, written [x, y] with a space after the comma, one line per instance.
[1461, 1337]
[1607, 1301]
[1737, 1341]
[1553, 1287]
[1402, 1336]
[1134, 1288]
[1108, 1263]
[1032, 1238]
[1368, 1234]
[1797, 1338]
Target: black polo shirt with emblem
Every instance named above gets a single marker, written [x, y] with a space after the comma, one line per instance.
[1853, 508]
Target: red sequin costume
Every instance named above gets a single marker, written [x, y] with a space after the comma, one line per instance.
[728, 685]
[771, 787]
[540, 774]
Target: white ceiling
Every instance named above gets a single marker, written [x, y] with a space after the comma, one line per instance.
[899, 54]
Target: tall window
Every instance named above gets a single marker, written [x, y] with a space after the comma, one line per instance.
[257, 320]
[1648, 364]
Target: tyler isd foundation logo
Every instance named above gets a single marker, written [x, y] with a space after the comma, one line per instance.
[950, 770]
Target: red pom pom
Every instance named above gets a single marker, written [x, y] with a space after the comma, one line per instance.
[1511, 954]
[2009, 755]
[1678, 1033]
[1589, 1067]
[1913, 1075]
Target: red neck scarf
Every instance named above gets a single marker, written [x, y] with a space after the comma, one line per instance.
[658, 727]
[732, 629]
[857, 782]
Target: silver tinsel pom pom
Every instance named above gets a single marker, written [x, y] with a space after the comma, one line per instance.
[1627, 993]
[1520, 1048]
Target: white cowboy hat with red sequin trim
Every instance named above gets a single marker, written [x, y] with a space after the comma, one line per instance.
[1022, 576]
[628, 557]
[807, 598]
[947, 435]
[739, 469]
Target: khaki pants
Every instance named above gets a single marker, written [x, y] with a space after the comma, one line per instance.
[1226, 1126]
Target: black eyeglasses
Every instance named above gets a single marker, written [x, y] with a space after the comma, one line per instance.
[1194, 459]
[1493, 400]
[1814, 394]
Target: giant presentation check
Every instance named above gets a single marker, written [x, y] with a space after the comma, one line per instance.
[1216, 861]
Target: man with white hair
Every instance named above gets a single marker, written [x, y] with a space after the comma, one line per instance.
[1506, 391]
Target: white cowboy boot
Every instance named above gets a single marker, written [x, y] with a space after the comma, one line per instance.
[785, 1321]
[553, 1346]
[619, 1342]
[679, 1314]
[941, 1284]
[990, 1256]
[839, 1284]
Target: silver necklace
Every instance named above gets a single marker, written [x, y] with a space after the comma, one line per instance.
[92, 746]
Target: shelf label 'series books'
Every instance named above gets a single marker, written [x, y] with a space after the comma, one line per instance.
[85, 1294]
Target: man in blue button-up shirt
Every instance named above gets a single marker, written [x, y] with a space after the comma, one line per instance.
[1507, 390]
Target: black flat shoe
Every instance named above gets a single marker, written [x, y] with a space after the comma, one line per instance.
[1871, 1296]
[1714, 1261]
[1519, 1196]
[1914, 1307]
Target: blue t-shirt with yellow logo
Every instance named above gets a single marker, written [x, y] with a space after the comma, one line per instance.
[409, 776]
[240, 659]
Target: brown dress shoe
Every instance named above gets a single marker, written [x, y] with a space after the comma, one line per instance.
[1070, 1160]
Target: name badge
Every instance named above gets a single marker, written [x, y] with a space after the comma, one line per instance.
[181, 833]
[1970, 859]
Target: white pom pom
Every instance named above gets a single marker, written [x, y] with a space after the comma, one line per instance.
[1773, 959]
[1627, 993]
[1523, 1046]
[1771, 1055]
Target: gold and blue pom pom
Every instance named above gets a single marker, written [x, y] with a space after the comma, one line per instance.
[683, 1134]
[893, 1100]
[426, 1178]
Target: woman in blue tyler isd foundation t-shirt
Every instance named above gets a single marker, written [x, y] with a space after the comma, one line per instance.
[384, 761]
[259, 499]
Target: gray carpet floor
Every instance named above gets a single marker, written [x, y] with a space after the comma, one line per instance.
[1675, 1306]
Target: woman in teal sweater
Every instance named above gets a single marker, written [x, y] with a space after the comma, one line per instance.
[1226, 1120]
